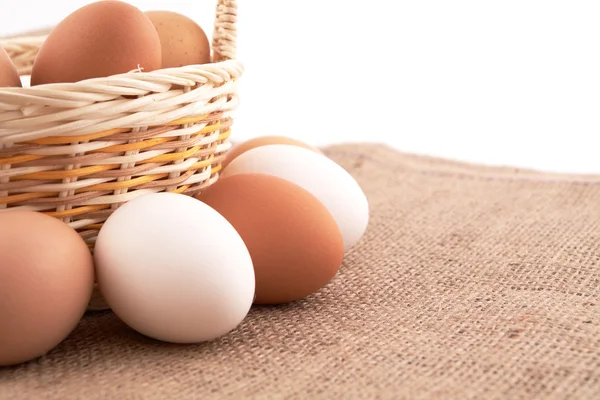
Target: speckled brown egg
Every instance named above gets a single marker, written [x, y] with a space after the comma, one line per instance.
[294, 242]
[183, 41]
[98, 40]
[259, 141]
[8, 73]
[46, 281]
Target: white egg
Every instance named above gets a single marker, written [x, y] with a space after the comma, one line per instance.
[174, 269]
[319, 175]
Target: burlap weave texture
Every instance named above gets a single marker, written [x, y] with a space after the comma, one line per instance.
[472, 282]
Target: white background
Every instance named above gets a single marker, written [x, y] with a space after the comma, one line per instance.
[498, 82]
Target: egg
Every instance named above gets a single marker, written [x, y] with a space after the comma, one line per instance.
[263, 141]
[98, 40]
[183, 41]
[174, 269]
[46, 282]
[8, 73]
[295, 244]
[321, 176]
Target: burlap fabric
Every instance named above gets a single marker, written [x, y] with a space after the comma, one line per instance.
[471, 283]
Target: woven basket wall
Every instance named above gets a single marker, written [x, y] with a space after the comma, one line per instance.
[76, 151]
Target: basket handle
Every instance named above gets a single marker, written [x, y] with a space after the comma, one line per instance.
[224, 40]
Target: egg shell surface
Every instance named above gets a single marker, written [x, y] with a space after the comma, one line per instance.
[98, 40]
[253, 143]
[295, 244]
[321, 176]
[183, 41]
[174, 269]
[46, 283]
[8, 73]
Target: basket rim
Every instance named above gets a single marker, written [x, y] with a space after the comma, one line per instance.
[213, 69]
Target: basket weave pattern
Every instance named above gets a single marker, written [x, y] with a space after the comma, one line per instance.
[76, 151]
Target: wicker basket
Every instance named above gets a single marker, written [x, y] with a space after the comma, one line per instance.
[76, 151]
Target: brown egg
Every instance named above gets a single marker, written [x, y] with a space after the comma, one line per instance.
[8, 73]
[183, 40]
[98, 40]
[294, 242]
[250, 144]
[46, 281]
